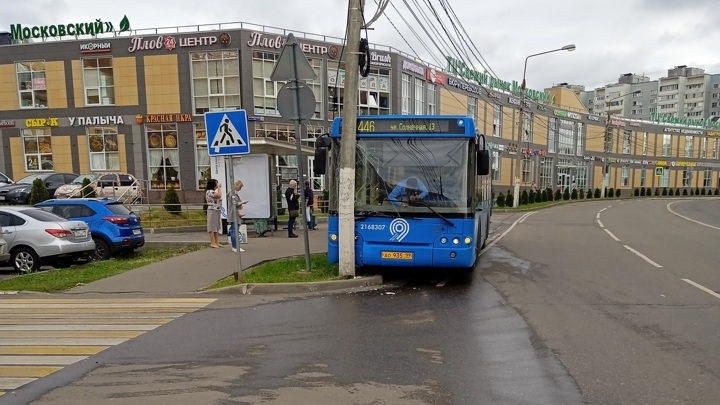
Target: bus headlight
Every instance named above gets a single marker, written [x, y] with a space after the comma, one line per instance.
[333, 237]
[468, 240]
[443, 240]
[456, 241]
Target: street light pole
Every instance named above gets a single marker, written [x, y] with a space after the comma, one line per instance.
[521, 126]
[609, 137]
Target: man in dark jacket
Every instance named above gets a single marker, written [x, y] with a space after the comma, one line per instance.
[293, 204]
[309, 205]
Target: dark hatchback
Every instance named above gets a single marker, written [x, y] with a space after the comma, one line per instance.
[19, 193]
[115, 229]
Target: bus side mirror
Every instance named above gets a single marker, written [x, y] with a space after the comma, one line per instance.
[320, 161]
[483, 162]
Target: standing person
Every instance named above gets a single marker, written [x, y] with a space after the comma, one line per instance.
[309, 205]
[291, 196]
[213, 197]
[234, 196]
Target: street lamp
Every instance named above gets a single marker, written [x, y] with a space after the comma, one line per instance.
[518, 159]
[608, 140]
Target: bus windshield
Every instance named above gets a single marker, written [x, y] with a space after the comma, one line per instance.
[419, 176]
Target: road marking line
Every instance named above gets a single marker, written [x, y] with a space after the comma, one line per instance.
[442, 283]
[84, 321]
[70, 311]
[597, 216]
[56, 327]
[39, 360]
[62, 341]
[642, 256]
[27, 371]
[78, 334]
[669, 208]
[129, 307]
[10, 383]
[51, 350]
[510, 228]
[113, 300]
[611, 235]
[603, 210]
[600, 223]
[707, 290]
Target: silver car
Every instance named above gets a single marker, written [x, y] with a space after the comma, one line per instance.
[35, 237]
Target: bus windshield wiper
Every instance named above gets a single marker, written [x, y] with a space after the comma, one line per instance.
[362, 215]
[418, 202]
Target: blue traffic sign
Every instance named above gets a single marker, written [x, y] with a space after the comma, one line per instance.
[227, 133]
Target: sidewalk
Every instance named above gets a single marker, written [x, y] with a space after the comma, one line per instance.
[194, 271]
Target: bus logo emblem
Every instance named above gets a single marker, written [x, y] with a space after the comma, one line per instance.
[399, 228]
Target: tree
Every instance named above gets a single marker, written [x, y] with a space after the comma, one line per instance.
[702, 192]
[685, 191]
[500, 200]
[87, 190]
[532, 197]
[618, 192]
[697, 190]
[172, 202]
[509, 199]
[589, 193]
[657, 192]
[597, 193]
[566, 194]
[717, 191]
[642, 191]
[636, 192]
[610, 193]
[558, 195]
[581, 194]
[39, 192]
[677, 191]
[648, 192]
[549, 194]
[574, 194]
[670, 192]
[543, 196]
[524, 197]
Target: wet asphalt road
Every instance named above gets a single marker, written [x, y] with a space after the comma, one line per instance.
[582, 303]
[425, 338]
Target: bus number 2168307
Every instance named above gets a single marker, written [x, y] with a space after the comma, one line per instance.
[372, 227]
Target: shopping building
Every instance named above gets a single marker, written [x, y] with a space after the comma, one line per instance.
[134, 102]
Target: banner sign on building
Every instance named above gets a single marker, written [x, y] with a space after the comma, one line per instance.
[690, 122]
[97, 120]
[95, 47]
[459, 68]
[41, 122]
[18, 32]
[258, 40]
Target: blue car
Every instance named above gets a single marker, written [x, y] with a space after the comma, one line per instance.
[115, 229]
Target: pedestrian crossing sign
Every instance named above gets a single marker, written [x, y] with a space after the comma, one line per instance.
[227, 133]
[659, 171]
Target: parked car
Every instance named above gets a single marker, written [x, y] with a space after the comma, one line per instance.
[35, 237]
[4, 251]
[5, 180]
[115, 229]
[19, 193]
[120, 186]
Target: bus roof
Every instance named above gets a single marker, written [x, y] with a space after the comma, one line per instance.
[444, 126]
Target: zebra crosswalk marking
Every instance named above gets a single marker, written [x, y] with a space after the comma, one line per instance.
[40, 336]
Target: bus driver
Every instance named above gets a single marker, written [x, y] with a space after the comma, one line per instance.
[410, 189]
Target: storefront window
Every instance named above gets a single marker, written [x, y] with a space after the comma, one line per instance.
[627, 145]
[32, 87]
[265, 90]
[163, 156]
[546, 173]
[432, 99]
[552, 134]
[689, 146]
[566, 139]
[374, 91]
[104, 149]
[667, 145]
[99, 81]
[202, 158]
[707, 177]
[495, 168]
[405, 94]
[215, 80]
[497, 121]
[37, 146]
[419, 96]
[472, 107]
[527, 166]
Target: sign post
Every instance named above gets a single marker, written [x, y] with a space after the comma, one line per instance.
[296, 102]
[228, 136]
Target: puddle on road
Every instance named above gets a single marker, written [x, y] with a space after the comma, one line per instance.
[497, 256]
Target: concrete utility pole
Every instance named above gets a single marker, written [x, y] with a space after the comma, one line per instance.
[346, 193]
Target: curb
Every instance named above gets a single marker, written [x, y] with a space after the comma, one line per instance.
[297, 288]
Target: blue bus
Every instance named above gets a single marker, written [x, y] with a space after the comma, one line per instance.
[422, 190]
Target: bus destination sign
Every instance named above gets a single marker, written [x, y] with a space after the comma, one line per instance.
[409, 125]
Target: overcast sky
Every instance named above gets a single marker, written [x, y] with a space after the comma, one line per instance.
[612, 37]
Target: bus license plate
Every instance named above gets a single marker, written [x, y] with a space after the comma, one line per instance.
[397, 255]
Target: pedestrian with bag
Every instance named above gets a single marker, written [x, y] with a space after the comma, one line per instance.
[213, 198]
[293, 204]
[234, 198]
